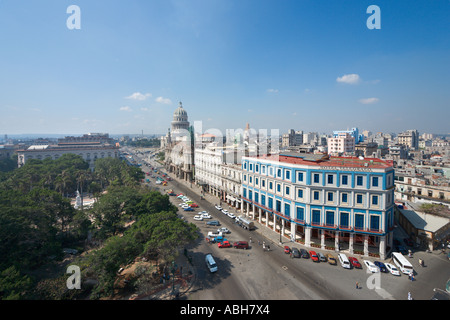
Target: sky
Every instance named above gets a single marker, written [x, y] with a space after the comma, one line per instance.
[311, 65]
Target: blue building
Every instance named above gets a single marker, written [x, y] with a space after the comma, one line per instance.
[335, 203]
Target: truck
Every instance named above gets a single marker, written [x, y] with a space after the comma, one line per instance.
[245, 223]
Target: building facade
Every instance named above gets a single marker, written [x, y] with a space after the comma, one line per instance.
[342, 143]
[334, 203]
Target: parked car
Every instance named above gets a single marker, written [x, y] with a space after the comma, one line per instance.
[198, 218]
[206, 216]
[321, 257]
[232, 216]
[331, 259]
[194, 205]
[408, 242]
[218, 207]
[240, 245]
[381, 266]
[223, 230]
[188, 209]
[225, 211]
[371, 266]
[287, 249]
[213, 223]
[304, 254]
[295, 253]
[314, 256]
[392, 269]
[355, 263]
[214, 234]
[224, 244]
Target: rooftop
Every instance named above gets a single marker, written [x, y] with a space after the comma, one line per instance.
[327, 161]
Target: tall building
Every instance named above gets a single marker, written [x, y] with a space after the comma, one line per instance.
[179, 146]
[335, 203]
[354, 132]
[409, 138]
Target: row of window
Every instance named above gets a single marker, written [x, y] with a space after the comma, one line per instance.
[325, 196]
[321, 178]
[329, 218]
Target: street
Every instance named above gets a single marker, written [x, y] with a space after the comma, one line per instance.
[255, 274]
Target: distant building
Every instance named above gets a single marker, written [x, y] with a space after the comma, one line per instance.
[90, 147]
[343, 143]
[354, 132]
[410, 139]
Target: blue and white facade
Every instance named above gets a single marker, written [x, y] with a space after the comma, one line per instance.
[334, 204]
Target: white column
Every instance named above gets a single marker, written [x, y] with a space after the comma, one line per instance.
[267, 219]
[382, 248]
[336, 241]
[322, 239]
[293, 231]
[259, 215]
[274, 222]
[307, 236]
[350, 242]
[366, 245]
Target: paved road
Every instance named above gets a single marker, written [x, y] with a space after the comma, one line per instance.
[256, 275]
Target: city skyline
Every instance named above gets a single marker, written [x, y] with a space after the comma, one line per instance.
[305, 65]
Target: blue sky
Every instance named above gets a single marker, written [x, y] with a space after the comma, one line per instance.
[309, 65]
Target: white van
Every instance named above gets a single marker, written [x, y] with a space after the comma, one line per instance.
[210, 263]
[345, 263]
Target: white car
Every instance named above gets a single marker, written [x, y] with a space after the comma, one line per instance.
[223, 230]
[392, 269]
[224, 211]
[205, 215]
[198, 218]
[232, 216]
[371, 266]
[218, 207]
[214, 234]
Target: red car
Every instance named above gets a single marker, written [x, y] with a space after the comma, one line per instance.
[193, 205]
[314, 256]
[241, 245]
[224, 244]
[355, 263]
[287, 249]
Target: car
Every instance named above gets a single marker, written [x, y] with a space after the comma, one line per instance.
[214, 234]
[371, 266]
[189, 202]
[331, 259]
[171, 194]
[198, 218]
[314, 256]
[206, 216]
[408, 242]
[193, 205]
[304, 254]
[223, 230]
[295, 253]
[188, 209]
[381, 266]
[232, 216]
[321, 257]
[213, 223]
[240, 245]
[224, 211]
[184, 206]
[392, 269]
[224, 244]
[355, 263]
[179, 196]
[218, 207]
[287, 249]
[402, 249]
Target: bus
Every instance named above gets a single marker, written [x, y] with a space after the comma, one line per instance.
[402, 263]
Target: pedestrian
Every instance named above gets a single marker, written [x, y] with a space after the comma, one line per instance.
[357, 285]
[250, 239]
[409, 296]
[268, 248]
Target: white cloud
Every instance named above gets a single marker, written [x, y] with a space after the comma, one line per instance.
[163, 100]
[369, 100]
[349, 79]
[139, 96]
[125, 108]
[272, 90]
[144, 109]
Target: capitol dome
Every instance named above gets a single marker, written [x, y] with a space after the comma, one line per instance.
[180, 119]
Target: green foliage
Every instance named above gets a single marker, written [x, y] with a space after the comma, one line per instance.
[13, 284]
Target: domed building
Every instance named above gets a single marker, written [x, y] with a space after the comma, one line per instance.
[179, 146]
